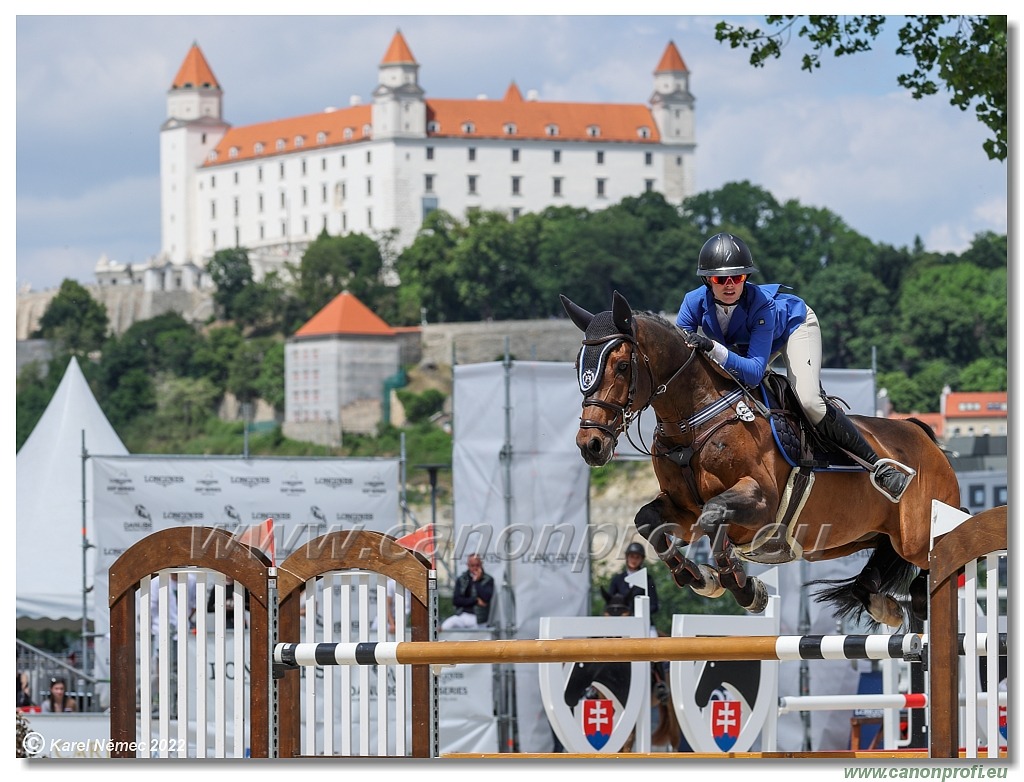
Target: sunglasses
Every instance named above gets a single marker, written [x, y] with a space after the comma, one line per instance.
[739, 279]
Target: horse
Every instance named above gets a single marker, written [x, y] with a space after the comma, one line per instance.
[613, 679]
[717, 452]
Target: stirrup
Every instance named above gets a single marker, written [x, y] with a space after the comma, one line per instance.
[910, 472]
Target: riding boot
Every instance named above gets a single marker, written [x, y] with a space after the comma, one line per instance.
[839, 429]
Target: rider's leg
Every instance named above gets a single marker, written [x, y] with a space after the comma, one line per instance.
[803, 365]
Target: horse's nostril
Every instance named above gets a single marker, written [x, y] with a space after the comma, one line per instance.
[594, 446]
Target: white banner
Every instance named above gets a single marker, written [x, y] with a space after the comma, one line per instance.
[523, 503]
[135, 496]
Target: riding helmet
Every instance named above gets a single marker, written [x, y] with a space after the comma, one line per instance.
[634, 548]
[724, 254]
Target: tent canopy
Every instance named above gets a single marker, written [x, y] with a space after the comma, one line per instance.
[49, 501]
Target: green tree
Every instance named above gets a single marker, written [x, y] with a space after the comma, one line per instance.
[965, 55]
[332, 264]
[231, 273]
[269, 384]
[74, 320]
[984, 374]
[427, 268]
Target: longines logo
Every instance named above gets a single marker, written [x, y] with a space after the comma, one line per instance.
[182, 516]
[250, 482]
[277, 516]
[113, 552]
[164, 480]
[333, 483]
[353, 516]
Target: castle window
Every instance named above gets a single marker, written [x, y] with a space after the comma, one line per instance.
[433, 126]
[259, 173]
[236, 206]
[262, 232]
[600, 158]
[260, 203]
[258, 147]
[368, 156]
[236, 177]
[471, 153]
[280, 170]
[280, 145]
[468, 127]
[213, 210]
[367, 131]
[300, 141]
[471, 184]
[323, 194]
[556, 156]
[551, 130]
[303, 168]
[212, 157]
[593, 131]
[509, 128]
[601, 188]
[430, 153]
[233, 152]
[516, 180]
[348, 137]
[428, 183]
[305, 197]
[369, 218]
[369, 186]
[556, 186]
[643, 131]
[649, 185]
[321, 138]
[515, 155]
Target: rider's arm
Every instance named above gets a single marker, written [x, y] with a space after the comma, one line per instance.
[750, 369]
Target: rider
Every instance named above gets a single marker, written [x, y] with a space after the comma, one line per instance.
[751, 324]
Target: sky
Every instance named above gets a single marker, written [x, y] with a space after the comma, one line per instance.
[91, 96]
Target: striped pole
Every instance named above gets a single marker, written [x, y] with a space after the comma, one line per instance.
[769, 647]
[914, 700]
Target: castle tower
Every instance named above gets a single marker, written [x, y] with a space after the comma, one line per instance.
[399, 110]
[193, 127]
[672, 106]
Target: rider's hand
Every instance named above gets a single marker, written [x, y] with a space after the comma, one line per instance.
[699, 341]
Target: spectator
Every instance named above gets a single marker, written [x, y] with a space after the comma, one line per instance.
[58, 701]
[24, 695]
[474, 590]
[619, 586]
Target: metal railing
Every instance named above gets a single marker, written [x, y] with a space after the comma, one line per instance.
[42, 668]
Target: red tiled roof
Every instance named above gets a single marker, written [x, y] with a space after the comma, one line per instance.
[345, 315]
[513, 94]
[194, 71]
[671, 60]
[976, 404]
[398, 52]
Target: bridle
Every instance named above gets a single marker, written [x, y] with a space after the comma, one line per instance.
[624, 414]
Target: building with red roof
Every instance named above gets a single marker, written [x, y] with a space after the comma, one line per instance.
[385, 164]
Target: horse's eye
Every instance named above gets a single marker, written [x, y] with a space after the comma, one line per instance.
[622, 367]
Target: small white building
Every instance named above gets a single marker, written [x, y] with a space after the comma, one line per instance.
[337, 368]
[381, 166]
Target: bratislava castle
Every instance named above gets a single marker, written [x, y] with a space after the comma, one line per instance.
[376, 169]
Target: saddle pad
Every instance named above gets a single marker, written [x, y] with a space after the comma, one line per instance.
[787, 435]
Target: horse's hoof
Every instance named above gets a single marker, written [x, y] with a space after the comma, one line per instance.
[886, 611]
[760, 601]
[712, 584]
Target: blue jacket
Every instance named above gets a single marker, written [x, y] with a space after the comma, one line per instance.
[762, 322]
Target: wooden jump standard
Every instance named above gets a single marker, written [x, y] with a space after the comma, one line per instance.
[765, 647]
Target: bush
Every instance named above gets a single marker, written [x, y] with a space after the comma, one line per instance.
[419, 407]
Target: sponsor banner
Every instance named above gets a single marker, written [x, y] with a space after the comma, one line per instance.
[135, 496]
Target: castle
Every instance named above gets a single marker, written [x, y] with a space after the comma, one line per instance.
[379, 169]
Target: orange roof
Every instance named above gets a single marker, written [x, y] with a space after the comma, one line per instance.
[671, 60]
[398, 52]
[513, 93]
[194, 71]
[976, 404]
[345, 315]
[533, 119]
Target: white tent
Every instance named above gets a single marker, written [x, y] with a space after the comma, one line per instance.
[49, 501]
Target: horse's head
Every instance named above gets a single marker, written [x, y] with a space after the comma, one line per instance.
[606, 371]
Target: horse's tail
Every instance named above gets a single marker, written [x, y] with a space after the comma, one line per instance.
[886, 573]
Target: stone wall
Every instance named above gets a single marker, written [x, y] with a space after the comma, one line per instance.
[528, 340]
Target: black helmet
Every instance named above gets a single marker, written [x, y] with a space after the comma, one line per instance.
[724, 254]
[635, 548]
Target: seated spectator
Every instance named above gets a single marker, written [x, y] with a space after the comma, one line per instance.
[58, 701]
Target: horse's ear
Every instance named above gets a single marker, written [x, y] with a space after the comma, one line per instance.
[576, 313]
[622, 313]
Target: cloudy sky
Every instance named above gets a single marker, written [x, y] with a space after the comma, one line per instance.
[91, 96]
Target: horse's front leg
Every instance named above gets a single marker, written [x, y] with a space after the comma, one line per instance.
[662, 524]
[745, 506]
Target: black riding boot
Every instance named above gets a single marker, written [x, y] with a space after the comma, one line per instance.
[840, 430]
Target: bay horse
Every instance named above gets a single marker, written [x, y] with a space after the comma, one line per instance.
[723, 474]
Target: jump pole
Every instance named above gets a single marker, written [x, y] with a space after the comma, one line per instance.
[766, 647]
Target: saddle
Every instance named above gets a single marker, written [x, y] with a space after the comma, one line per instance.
[797, 439]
